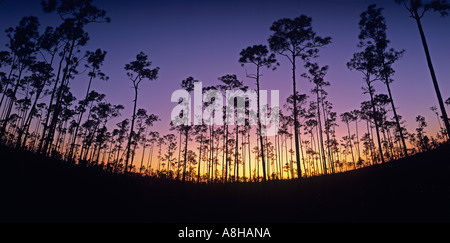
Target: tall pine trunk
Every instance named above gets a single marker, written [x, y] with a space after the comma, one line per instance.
[433, 75]
[133, 118]
[49, 108]
[79, 120]
[296, 123]
[321, 148]
[258, 113]
[397, 121]
[58, 108]
[350, 142]
[375, 120]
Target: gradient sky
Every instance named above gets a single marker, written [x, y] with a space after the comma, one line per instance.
[203, 39]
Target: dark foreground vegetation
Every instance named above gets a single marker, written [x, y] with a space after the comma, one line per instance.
[36, 189]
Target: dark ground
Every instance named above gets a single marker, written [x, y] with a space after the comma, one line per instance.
[34, 189]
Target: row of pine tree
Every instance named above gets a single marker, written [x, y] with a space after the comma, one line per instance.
[39, 113]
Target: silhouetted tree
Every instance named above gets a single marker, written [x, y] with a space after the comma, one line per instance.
[153, 138]
[89, 126]
[145, 124]
[300, 101]
[160, 143]
[41, 75]
[5, 80]
[373, 29]
[143, 121]
[76, 15]
[348, 117]
[53, 43]
[95, 60]
[137, 71]
[417, 9]
[295, 38]
[367, 114]
[423, 143]
[316, 75]
[104, 112]
[188, 85]
[357, 115]
[381, 101]
[212, 133]
[230, 82]
[434, 110]
[200, 131]
[171, 147]
[366, 63]
[259, 56]
[22, 44]
[55, 150]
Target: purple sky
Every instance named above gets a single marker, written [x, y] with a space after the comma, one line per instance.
[203, 39]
